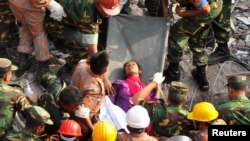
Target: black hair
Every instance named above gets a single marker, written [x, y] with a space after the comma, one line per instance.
[238, 87]
[99, 62]
[176, 99]
[70, 95]
[135, 130]
[125, 64]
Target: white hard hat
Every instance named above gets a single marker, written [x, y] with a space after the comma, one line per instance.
[179, 138]
[137, 117]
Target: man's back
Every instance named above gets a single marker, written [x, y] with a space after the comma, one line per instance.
[11, 100]
[236, 111]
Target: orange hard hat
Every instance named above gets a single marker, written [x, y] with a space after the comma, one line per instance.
[39, 3]
[70, 128]
[110, 7]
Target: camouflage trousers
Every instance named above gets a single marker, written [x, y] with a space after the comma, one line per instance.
[67, 39]
[221, 24]
[190, 31]
[8, 28]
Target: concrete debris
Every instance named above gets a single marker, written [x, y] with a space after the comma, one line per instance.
[245, 20]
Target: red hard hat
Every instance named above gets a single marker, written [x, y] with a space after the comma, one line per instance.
[110, 7]
[70, 128]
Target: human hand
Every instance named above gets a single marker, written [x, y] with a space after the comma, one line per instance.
[53, 137]
[56, 11]
[158, 78]
[178, 10]
[108, 86]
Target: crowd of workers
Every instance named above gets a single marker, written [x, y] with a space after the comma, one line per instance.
[69, 112]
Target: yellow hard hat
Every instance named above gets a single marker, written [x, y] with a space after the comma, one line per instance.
[204, 112]
[104, 131]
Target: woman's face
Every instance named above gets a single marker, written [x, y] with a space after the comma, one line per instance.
[131, 68]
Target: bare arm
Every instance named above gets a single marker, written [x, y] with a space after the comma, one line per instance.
[144, 93]
[165, 7]
[195, 12]
[88, 123]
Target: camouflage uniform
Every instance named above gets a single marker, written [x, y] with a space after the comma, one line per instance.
[82, 19]
[18, 134]
[175, 121]
[49, 100]
[39, 116]
[8, 28]
[12, 99]
[190, 31]
[237, 110]
[221, 24]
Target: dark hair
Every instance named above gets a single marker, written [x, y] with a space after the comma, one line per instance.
[33, 123]
[70, 95]
[99, 62]
[177, 99]
[2, 75]
[125, 64]
[238, 87]
[135, 130]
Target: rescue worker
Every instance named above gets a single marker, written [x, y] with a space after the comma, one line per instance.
[34, 126]
[203, 114]
[79, 30]
[12, 98]
[175, 121]
[104, 131]
[222, 28]
[88, 77]
[236, 111]
[138, 120]
[197, 17]
[60, 101]
[30, 15]
[69, 130]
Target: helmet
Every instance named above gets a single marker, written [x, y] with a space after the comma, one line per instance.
[179, 138]
[104, 131]
[137, 117]
[204, 112]
[39, 3]
[70, 128]
[110, 7]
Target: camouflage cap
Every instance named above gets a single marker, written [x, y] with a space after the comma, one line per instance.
[6, 65]
[237, 80]
[39, 115]
[178, 88]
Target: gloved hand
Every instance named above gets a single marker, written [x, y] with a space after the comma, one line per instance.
[56, 10]
[158, 78]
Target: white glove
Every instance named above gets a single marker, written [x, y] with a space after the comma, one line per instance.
[158, 78]
[56, 10]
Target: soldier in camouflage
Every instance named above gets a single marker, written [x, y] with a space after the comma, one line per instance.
[175, 121]
[79, 30]
[12, 98]
[34, 126]
[236, 111]
[222, 28]
[59, 101]
[197, 17]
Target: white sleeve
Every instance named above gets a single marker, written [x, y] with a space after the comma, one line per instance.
[82, 112]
